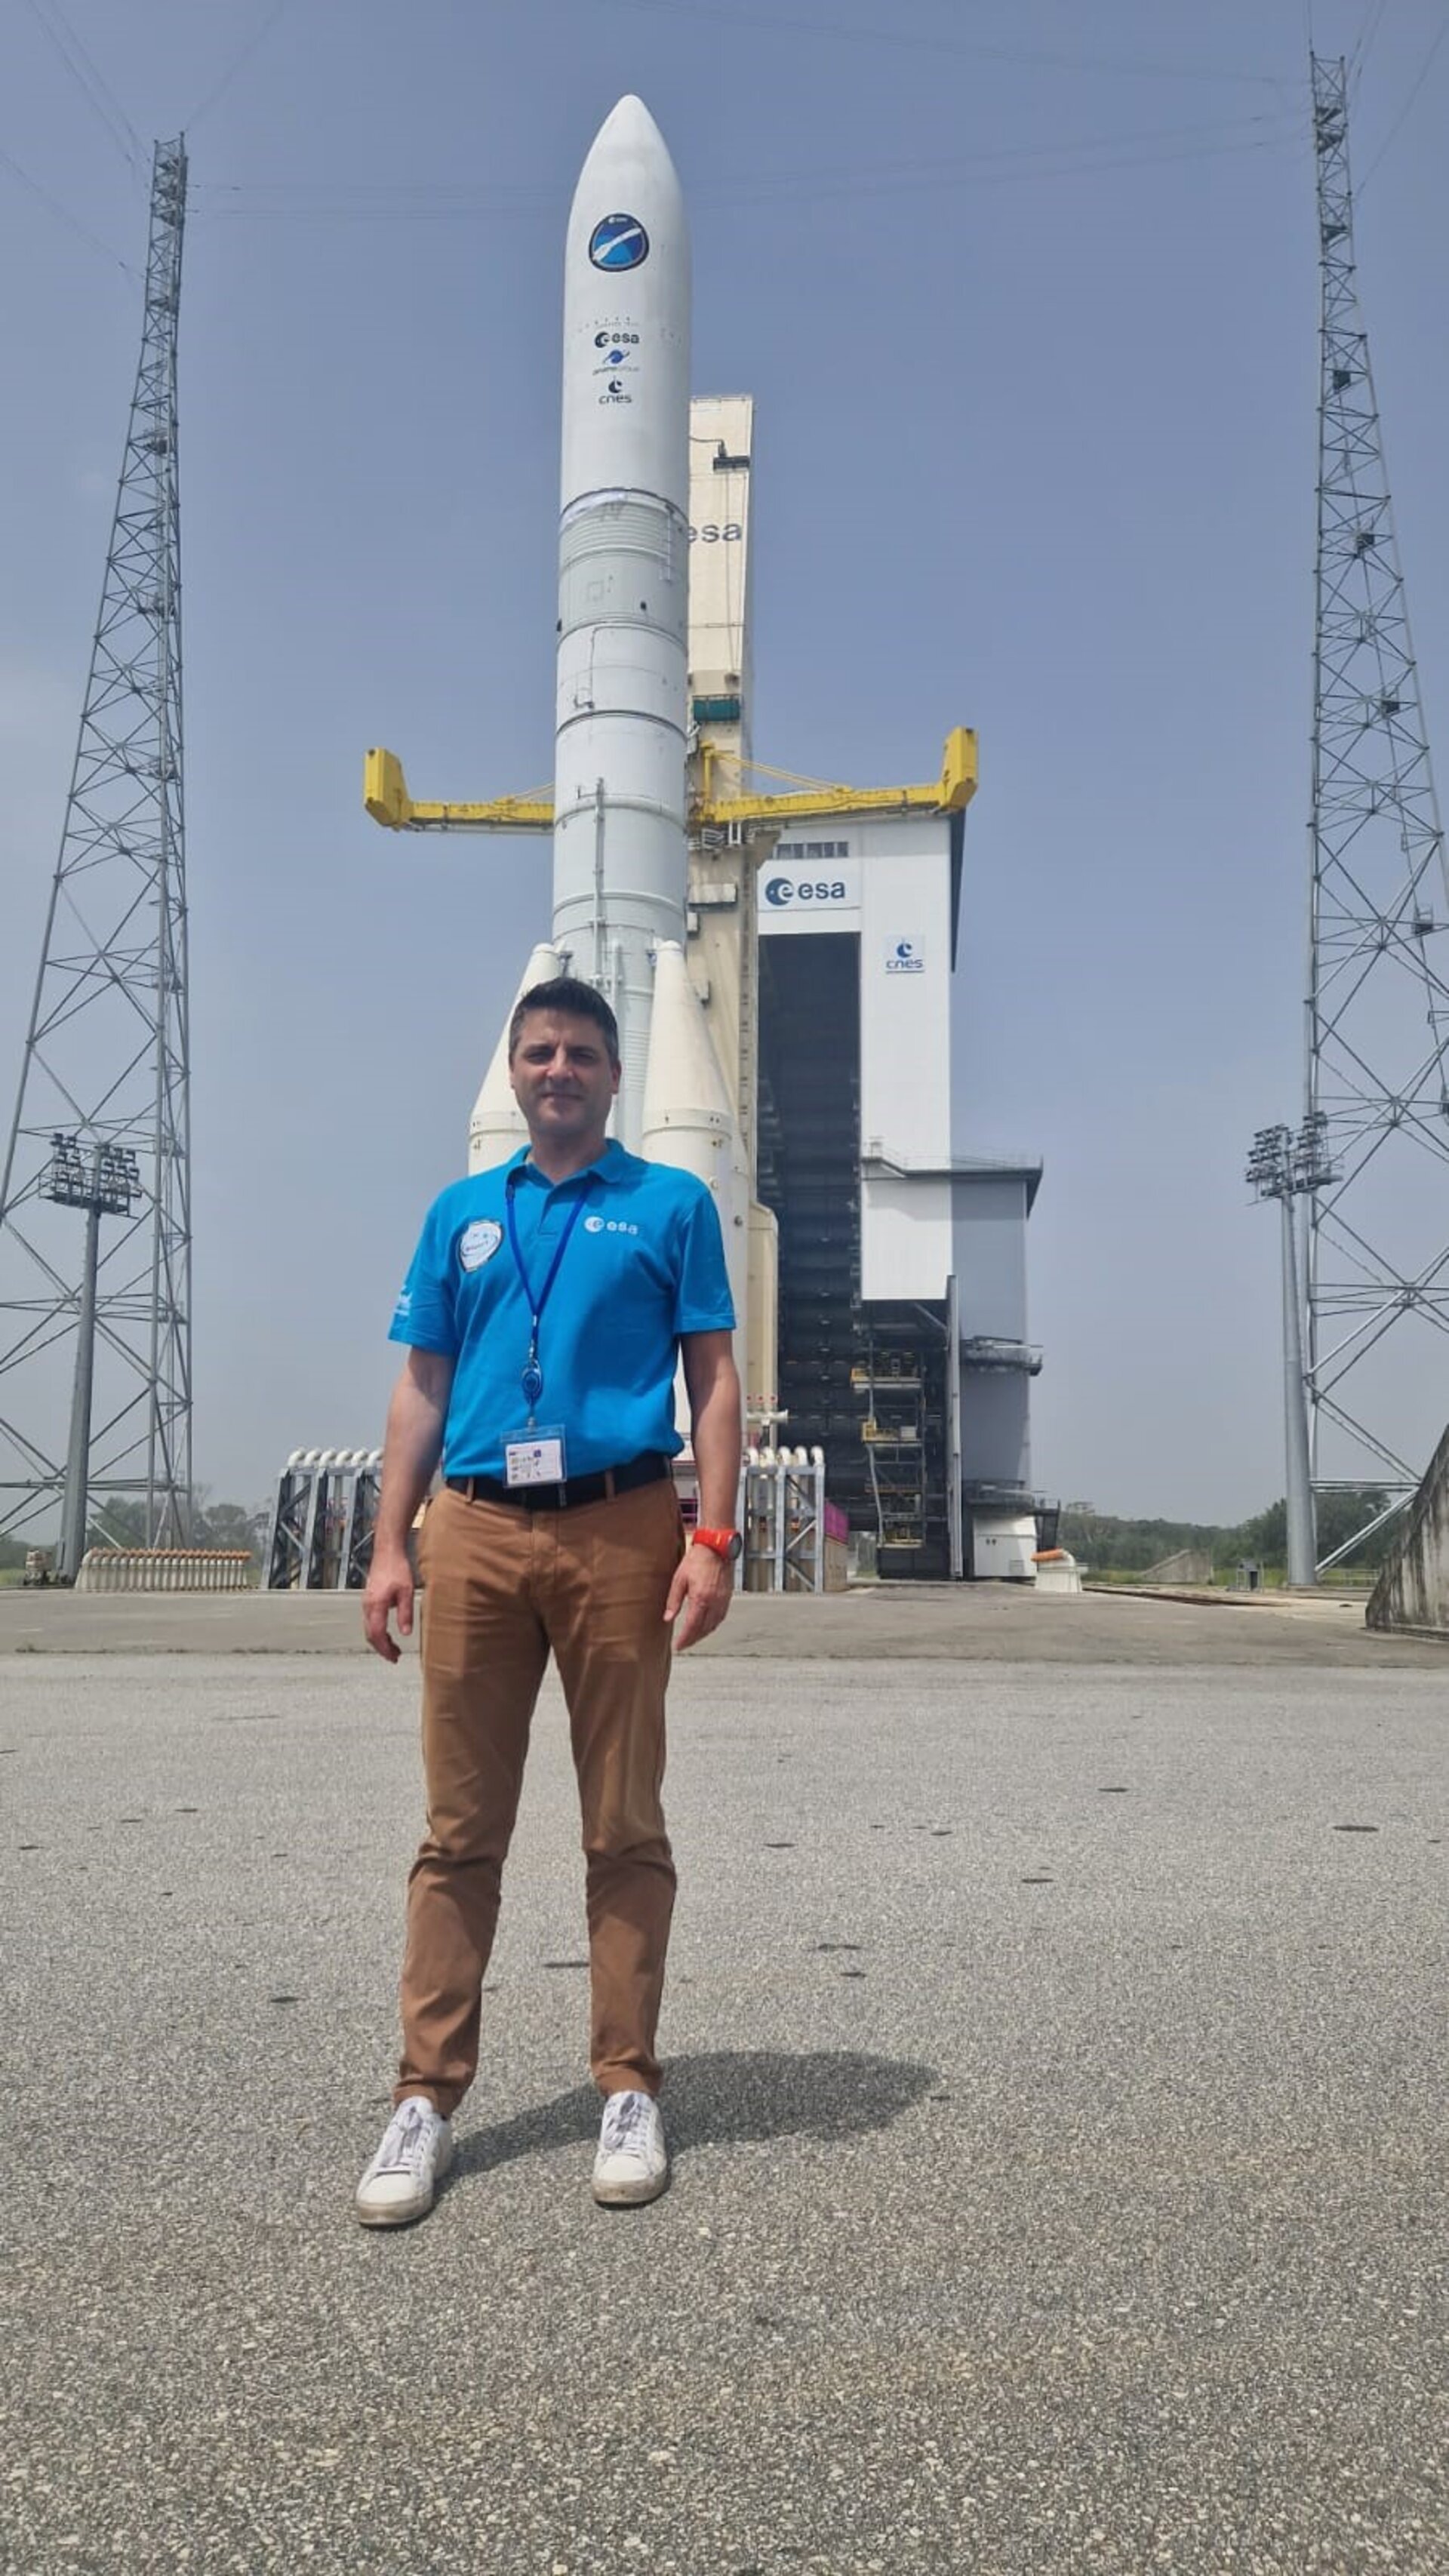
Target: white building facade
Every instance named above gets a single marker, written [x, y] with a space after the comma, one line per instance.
[829, 953]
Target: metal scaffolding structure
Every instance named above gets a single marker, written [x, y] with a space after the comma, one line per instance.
[1377, 1006]
[105, 1078]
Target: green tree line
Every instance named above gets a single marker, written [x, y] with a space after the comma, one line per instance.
[212, 1525]
[1111, 1544]
[1106, 1541]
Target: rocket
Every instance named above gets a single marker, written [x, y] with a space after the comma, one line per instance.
[620, 862]
[620, 846]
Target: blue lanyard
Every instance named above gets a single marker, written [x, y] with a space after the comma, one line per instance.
[532, 1379]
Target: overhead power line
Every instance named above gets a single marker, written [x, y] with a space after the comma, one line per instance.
[321, 202]
[1367, 38]
[89, 80]
[845, 31]
[237, 64]
[1424, 70]
[64, 216]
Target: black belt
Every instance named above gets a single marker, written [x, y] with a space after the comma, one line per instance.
[651, 1469]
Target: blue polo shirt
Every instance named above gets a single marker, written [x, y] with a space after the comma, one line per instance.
[644, 1264]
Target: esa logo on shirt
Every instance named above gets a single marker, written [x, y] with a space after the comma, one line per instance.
[478, 1243]
[608, 1225]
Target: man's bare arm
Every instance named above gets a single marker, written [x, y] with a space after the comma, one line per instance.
[704, 1585]
[411, 1449]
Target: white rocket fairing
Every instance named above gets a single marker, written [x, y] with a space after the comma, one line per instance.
[620, 846]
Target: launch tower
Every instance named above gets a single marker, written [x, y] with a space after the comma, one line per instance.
[101, 1129]
[1377, 1004]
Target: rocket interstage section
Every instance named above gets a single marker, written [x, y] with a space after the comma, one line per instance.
[620, 850]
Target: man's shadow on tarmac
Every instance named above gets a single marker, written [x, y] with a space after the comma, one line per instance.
[726, 2098]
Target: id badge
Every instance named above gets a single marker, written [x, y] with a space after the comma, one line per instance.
[534, 1457]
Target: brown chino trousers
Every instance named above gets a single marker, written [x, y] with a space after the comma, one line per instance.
[502, 1586]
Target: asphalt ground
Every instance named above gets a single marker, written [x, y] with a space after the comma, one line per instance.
[1056, 2091]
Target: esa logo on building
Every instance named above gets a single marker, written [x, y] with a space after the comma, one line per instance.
[781, 892]
[905, 959]
[618, 242]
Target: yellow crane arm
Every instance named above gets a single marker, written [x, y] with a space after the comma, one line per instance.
[951, 793]
[385, 795]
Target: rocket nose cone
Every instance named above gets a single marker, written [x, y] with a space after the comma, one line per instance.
[628, 139]
[628, 170]
[630, 124]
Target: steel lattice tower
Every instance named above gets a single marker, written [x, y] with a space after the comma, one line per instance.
[1377, 1270]
[102, 1121]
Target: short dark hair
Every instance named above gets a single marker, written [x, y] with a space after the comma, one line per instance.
[565, 994]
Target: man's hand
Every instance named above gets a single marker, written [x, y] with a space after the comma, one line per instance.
[410, 1451]
[703, 1588]
[389, 1587]
[704, 1584]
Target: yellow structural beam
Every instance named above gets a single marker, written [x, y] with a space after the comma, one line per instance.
[386, 797]
[808, 797]
[385, 794]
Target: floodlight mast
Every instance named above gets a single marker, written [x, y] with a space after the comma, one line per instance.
[1284, 1168]
[113, 1181]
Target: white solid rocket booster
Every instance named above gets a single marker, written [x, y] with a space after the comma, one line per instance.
[620, 863]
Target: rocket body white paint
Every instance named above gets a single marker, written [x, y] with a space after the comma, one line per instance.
[620, 858]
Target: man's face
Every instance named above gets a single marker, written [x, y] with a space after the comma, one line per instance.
[562, 1078]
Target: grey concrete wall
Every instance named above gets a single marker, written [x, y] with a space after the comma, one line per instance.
[1190, 1565]
[1413, 1589]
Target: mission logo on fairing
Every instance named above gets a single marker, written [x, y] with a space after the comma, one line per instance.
[617, 242]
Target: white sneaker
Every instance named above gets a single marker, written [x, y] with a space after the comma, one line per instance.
[416, 2151]
[632, 2164]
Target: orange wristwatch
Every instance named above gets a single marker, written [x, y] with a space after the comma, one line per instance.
[726, 1544]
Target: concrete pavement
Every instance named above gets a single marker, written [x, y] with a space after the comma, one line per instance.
[985, 1622]
[1056, 2093]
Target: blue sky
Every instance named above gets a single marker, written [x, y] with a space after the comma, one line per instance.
[1026, 296]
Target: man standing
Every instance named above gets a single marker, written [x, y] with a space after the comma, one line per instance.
[543, 1312]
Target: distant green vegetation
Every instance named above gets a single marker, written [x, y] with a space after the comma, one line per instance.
[213, 1525]
[1108, 1543]
[1111, 1545]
